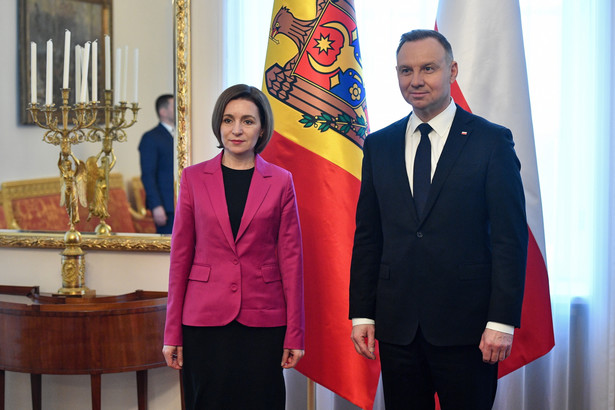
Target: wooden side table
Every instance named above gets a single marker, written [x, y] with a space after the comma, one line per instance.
[48, 334]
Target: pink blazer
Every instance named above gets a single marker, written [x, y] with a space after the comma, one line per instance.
[257, 278]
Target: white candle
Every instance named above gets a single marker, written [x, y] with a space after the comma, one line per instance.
[107, 62]
[117, 76]
[85, 77]
[33, 72]
[84, 72]
[66, 58]
[78, 55]
[125, 73]
[136, 77]
[49, 76]
[95, 70]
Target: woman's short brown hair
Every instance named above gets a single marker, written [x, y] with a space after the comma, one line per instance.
[244, 92]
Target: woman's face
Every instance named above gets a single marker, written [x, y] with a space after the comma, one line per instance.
[240, 129]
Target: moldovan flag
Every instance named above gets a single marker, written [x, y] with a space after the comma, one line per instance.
[314, 83]
[487, 43]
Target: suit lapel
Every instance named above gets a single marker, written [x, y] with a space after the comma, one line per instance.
[457, 137]
[258, 191]
[214, 185]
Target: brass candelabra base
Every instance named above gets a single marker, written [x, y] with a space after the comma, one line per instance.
[73, 266]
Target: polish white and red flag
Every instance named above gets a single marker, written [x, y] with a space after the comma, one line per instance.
[487, 42]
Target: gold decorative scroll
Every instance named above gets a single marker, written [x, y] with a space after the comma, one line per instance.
[182, 84]
[118, 242]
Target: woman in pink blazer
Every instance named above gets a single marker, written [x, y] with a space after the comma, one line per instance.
[235, 306]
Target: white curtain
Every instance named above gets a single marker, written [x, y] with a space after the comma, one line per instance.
[569, 52]
[570, 65]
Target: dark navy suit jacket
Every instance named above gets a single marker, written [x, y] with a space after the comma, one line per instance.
[463, 263]
[156, 149]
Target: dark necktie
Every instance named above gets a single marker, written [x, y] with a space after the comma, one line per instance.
[422, 169]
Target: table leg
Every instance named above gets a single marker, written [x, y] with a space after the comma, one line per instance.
[142, 389]
[36, 388]
[95, 385]
[1, 389]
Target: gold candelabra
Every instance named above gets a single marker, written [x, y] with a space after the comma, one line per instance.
[99, 166]
[84, 183]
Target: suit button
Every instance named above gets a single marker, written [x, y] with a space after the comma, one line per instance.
[419, 234]
[235, 261]
[234, 287]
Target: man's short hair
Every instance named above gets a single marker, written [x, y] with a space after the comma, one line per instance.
[163, 102]
[416, 35]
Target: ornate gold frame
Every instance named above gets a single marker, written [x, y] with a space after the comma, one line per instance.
[134, 242]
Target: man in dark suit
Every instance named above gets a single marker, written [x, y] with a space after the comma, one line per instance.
[440, 248]
[156, 151]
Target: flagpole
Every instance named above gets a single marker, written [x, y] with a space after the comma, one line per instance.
[311, 394]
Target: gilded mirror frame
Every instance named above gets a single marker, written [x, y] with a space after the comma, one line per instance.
[134, 242]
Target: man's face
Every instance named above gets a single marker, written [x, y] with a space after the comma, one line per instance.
[167, 114]
[425, 77]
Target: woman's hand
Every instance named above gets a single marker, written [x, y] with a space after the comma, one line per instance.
[291, 357]
[174, 355]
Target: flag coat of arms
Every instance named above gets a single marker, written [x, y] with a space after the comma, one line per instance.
[314, 82]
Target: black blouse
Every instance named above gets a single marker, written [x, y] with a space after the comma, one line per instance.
[236, 187]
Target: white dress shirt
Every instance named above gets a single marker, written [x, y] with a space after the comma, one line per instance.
[169, 128]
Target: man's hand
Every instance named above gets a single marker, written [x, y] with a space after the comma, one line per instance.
[495, 346]
[364, 341]
[160, 215]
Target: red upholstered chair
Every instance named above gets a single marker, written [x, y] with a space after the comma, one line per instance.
[3, 224]
[35, 205]
[142, 217]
